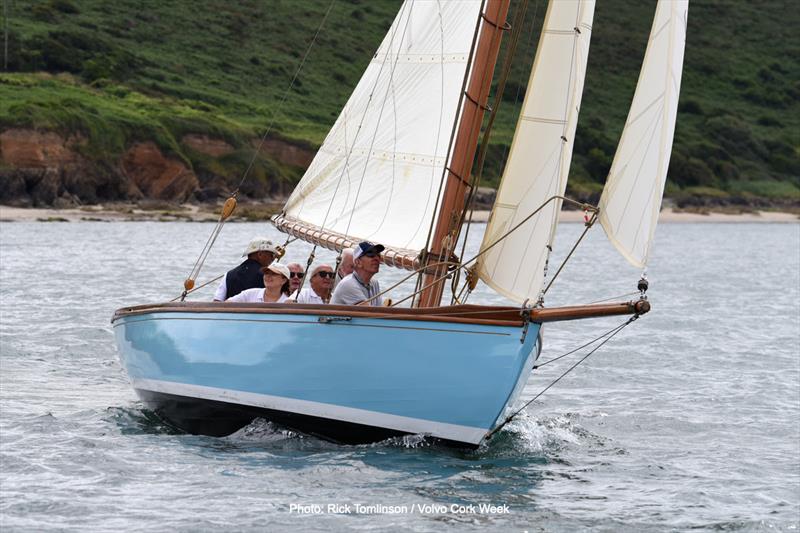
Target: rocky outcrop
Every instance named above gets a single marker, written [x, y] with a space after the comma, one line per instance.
[286, 152]
[36, 165]
[157, 176]
[44, 168]
[24, 148]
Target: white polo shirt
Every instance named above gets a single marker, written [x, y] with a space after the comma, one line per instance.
[307, 296]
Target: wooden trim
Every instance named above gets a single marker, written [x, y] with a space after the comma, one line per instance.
[456, 314]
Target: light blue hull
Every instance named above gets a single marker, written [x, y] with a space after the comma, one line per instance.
[449, 380]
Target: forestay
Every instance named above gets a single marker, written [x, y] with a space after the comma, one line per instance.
[631, 199]
[378, 171]
[539, 160]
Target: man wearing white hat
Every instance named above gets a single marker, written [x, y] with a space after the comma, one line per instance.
[260, 253]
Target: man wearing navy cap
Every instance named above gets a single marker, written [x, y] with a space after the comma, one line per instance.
[360, 287]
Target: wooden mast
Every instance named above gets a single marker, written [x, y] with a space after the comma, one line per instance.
[445, 234]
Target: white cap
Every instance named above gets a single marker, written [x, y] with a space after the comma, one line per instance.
[278, 268]
[260, 244]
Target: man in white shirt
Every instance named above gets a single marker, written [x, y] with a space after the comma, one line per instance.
[319, 292]
[361, 287]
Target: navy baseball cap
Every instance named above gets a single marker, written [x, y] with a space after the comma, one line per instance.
[366, 246]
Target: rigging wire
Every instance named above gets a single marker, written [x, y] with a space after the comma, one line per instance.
[230, 203]
[609, 335]
[279, 107]
[345, 167]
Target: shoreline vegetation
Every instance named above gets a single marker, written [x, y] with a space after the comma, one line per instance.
[186, 101]
[261, 212]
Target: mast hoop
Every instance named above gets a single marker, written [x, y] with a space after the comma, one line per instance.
[505, 27]
[484, 107]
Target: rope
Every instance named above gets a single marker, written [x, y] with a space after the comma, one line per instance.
[609, 332]
[476, 256]
[182, 295]
[588, 224]
[610, 335]
[310, 260]
[227, 210]
[615, 297]
[283, 98]
[230, 204]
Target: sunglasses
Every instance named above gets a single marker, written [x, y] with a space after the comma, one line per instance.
[297, 274]
[325, 274]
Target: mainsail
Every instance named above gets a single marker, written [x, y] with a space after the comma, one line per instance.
[539, 160]
[377, 173]
[631, 199]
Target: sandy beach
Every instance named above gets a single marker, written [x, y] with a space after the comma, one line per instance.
[203, 213]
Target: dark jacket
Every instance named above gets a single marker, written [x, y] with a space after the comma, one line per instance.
[245, 276]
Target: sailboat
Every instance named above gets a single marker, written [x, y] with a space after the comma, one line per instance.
[395, 169]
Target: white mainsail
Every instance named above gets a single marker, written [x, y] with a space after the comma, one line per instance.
[378, 171]
[631, 199]
[540, 156]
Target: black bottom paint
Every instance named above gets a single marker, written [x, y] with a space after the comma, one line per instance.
[199, 416]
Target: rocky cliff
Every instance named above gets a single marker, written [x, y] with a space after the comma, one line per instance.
[44, 168]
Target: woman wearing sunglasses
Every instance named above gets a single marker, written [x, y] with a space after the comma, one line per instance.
[319, 292]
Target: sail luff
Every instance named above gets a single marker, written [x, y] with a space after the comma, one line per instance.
[631, 199]
[540, 155]
[446, 229]
[376, 174]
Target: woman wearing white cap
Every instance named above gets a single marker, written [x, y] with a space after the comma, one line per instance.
[276, 279]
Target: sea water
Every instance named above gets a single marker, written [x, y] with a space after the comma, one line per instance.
[688, 419]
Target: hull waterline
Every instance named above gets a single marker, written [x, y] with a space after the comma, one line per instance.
[340, 373]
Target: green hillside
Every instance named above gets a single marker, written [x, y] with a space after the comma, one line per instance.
[125, 71]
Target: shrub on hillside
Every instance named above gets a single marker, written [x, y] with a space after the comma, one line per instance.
[735, 136]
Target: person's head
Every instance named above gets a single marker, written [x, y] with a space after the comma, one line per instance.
[367, 259]
[321, 280]
[296, 273]
[346, 266]
[276, 277]
[262, 250]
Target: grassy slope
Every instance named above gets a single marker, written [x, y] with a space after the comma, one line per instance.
[131, 70]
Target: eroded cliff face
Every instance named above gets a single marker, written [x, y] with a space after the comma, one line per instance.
[156, 176]
[43, 168]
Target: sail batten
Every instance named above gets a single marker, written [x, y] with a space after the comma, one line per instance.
[631, 199]
[376, 175]
[539, 159]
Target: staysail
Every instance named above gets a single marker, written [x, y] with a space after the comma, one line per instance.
[631, 199]
[540, 156]
[377, 173]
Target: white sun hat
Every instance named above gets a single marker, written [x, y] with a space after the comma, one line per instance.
[260, 244]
